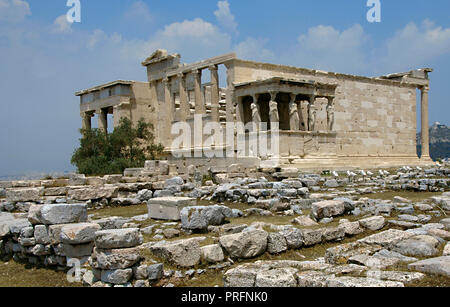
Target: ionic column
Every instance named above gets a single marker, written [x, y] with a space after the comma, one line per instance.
[273, 112]
[214, 93]
[86, 121]
[184, 104]
[102, 120]
[199, 101]
[230, 96]
[425, 124]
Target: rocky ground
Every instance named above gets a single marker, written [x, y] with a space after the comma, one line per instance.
[278, 227]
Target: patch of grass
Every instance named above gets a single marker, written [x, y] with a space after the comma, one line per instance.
[430, 280]
[149, 222]
[206, 178]
[123, 211]
[13, 274]
[210, 278]
[435, 281]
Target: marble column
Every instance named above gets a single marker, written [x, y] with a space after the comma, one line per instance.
[214, 93]
[102, 119]
[169, 104]
[184, 103]
[199, 100]
[230, 99]
[425, 124]
[169, 116]
[86, 121]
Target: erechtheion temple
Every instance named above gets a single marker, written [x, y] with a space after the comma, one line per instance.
[321, 119]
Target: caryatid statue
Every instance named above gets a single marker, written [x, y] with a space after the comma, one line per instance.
[273, 110]
[330, 117]
[294, 118]
[312, 117]
[256, 116]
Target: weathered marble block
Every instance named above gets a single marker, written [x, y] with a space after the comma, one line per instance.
[168, 208]
[63, 214]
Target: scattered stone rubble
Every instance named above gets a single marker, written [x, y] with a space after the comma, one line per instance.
[46, 222]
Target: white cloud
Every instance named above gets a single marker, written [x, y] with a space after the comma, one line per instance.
[415, 46]
[14, 10]
[224, 16]
[254, 49]
[99, 36]
[138, 12]
[61, 25]
[195, 39]
[326, 48]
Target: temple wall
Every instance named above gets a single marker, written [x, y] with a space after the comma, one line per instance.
[143, 103]
[373, 117]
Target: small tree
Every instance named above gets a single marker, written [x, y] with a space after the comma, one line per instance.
[101, 153]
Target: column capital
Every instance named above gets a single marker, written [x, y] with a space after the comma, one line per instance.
[236, 100]
[292, 96]
[330, 99]
[273, 95]
[181, 75]
[213, 67]
[425, 88]
[196, 71]
[165, 80]
[255, 97]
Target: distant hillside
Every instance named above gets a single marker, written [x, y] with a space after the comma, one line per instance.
[439, 142]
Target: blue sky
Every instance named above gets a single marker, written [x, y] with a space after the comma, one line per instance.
[44, 59]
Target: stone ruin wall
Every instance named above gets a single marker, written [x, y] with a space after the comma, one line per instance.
[373, 117]
[143, 105]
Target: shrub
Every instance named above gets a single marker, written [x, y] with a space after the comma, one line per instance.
[103, 153]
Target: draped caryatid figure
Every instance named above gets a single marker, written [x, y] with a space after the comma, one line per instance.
[294, 118]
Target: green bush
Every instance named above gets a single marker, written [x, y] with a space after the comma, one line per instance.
[103, 153]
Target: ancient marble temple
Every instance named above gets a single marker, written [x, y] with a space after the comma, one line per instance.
[321, 119]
